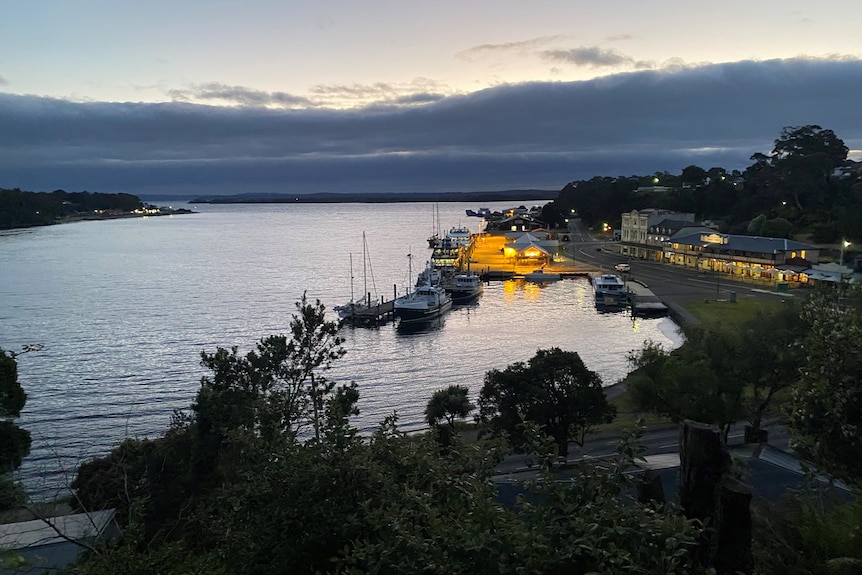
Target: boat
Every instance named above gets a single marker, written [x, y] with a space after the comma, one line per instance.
[610, 289]
[446, 255]
[482, 213]
[541, 276]
[354, 307]
[464, 287]
[426, 302]
[428, 275]
[459, 235]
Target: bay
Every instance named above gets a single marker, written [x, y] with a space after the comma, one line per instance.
[125, 307]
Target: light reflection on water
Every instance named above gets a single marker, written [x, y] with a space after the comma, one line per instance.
[125, 307]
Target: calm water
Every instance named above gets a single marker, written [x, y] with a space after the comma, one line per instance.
[125, 307]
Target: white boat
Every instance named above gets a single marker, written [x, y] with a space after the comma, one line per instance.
[541, 276]
[425, 303]
[353, 307]
[465, 287]
[460, 236]
[610, 289]
[429, 275]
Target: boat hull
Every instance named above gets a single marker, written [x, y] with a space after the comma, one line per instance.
[417, 314]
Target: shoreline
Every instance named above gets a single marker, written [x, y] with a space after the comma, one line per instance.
[98, 217]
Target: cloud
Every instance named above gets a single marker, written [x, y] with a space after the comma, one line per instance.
[592, 56]
[3, 81]
[238, 95]
[540, 134]
[521, 47]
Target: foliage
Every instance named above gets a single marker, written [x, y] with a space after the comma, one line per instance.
[14, 441]
[263, 500]
[827, 407]
[277, 391]
[450, 404]
[808, 531]
[724, 373]
[555, 390]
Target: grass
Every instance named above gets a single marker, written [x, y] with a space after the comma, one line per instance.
[726, 314]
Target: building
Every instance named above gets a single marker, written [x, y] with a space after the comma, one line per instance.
[643, 231]
[771, 259]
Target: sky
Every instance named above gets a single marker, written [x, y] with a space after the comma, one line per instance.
[194, 97]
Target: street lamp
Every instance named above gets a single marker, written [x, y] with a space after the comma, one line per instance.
[844, 244]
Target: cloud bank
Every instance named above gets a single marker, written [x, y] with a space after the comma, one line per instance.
[537, 135]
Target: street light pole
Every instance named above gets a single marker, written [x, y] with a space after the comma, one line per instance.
[844, 244]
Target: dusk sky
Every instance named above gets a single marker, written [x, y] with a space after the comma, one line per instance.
[193, 97]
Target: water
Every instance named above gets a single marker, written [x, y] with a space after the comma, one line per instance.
[124, 308]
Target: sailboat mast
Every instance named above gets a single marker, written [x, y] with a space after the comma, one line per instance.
[351, 278]
[364, 271]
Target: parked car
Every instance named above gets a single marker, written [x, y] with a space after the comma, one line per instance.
[623, 267]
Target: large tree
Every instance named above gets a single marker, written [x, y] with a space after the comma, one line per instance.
[554, 389]
[827, 407]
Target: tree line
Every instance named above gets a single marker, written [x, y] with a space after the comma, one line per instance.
[789, 191]
[19, 209]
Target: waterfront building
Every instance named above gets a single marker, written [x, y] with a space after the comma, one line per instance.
[643, 232]
[769, 259]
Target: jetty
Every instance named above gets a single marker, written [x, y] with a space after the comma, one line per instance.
[643, 301]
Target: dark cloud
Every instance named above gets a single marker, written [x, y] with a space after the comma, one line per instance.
[239, 95]
[527, 135]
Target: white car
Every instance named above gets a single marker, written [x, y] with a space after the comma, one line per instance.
[623, 267]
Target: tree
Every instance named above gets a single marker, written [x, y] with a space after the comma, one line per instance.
[14, 441]
[450, 403]
[827, 406]
[694, 382]
[555, 390]
[278, 390]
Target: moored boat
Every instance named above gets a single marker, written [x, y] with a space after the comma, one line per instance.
[425, 303]
[610, 289]
[541, 276]
[465, 287]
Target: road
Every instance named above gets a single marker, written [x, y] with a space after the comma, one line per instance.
[657, 440]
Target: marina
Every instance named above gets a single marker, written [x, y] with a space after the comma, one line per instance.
[133, 303]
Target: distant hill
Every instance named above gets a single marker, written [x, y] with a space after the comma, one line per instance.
[379, 198]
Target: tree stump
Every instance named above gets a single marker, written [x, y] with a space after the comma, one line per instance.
[704, 460]
[733, 528]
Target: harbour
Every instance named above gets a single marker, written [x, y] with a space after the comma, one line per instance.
[125, 307]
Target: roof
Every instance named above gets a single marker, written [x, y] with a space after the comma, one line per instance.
[741, 243]
[39, 532]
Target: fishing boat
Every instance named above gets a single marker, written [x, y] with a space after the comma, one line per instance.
[465, 287]
[424, 303]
